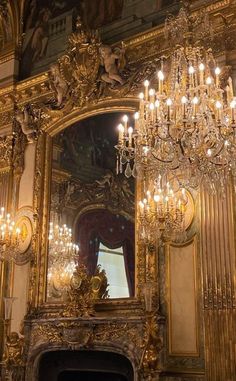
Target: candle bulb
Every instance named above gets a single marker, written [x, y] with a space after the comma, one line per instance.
[195, 102]
[232, 106]
[145, 204]
[228, 94]
[231, 91]
[201, 70]
[152, 107]
[130, 132]
[218, 110]
[141, 207]
[152, 95]
[217, 73]
[157, 105]
[121, 133]
[141, 104]
[136, 120]
[209, 82]
[169, 103]
[146, 84]
[125, 120]
[160, 81]
[191, 72]
[184, 101]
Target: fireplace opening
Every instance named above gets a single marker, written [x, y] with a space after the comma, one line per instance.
[71, 375]
[84, 366]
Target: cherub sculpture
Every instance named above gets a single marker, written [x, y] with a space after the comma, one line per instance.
[58, 84]
[111, 61]
[24, 120]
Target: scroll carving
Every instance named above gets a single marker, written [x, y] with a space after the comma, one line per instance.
[152, 345]
[13, 358]
[6, 145]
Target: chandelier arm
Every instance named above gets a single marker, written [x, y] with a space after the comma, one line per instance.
[164, 161]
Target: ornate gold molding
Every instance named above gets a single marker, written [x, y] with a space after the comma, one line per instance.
[139, 49]
[6, 148]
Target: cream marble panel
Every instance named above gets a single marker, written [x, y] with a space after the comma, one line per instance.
[20, 291]
[8, 70]
[182, 300]
[27, 179]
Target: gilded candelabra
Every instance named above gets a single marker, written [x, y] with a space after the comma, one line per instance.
[9, 236]
[161, 212]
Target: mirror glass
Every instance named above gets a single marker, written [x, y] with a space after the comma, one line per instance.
[88, 197]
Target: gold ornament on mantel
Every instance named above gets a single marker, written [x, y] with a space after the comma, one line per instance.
[186, 126]
[84, 290]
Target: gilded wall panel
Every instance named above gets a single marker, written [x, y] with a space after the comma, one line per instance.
[183, 309]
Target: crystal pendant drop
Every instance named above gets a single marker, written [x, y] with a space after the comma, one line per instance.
[128, 171]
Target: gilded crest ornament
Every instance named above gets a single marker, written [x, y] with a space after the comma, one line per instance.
[86, 69]
[84, 290]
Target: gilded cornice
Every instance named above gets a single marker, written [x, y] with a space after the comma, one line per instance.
[7, 56]
[139, 49]
[60, 175]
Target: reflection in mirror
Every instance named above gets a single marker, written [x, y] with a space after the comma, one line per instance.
[88, 197]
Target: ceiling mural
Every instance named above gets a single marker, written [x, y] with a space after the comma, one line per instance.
[6, 31]
[51, 21]
[47, 25]
[37, 11]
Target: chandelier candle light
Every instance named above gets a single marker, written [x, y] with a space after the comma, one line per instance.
[186, 126]
[9, 236]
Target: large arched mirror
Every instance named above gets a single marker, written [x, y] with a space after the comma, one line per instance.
[97, 204]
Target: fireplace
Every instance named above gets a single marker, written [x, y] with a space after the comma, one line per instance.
[84, 366]
[74, 375]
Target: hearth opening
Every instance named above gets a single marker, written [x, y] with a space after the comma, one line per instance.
[74, 375]
[84, 365]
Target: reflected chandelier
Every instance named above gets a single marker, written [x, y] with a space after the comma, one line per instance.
[186, 127]
[63, 254]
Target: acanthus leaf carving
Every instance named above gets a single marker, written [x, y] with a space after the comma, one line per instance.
[6, 152]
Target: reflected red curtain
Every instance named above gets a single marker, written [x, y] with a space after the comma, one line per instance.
[113, 230]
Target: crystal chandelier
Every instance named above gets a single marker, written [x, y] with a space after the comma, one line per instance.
[9, 236]
[63, 255]
[186, 126]
[60, 241]
[161, 212]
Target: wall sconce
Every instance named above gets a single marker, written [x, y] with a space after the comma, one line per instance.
[9, 236]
